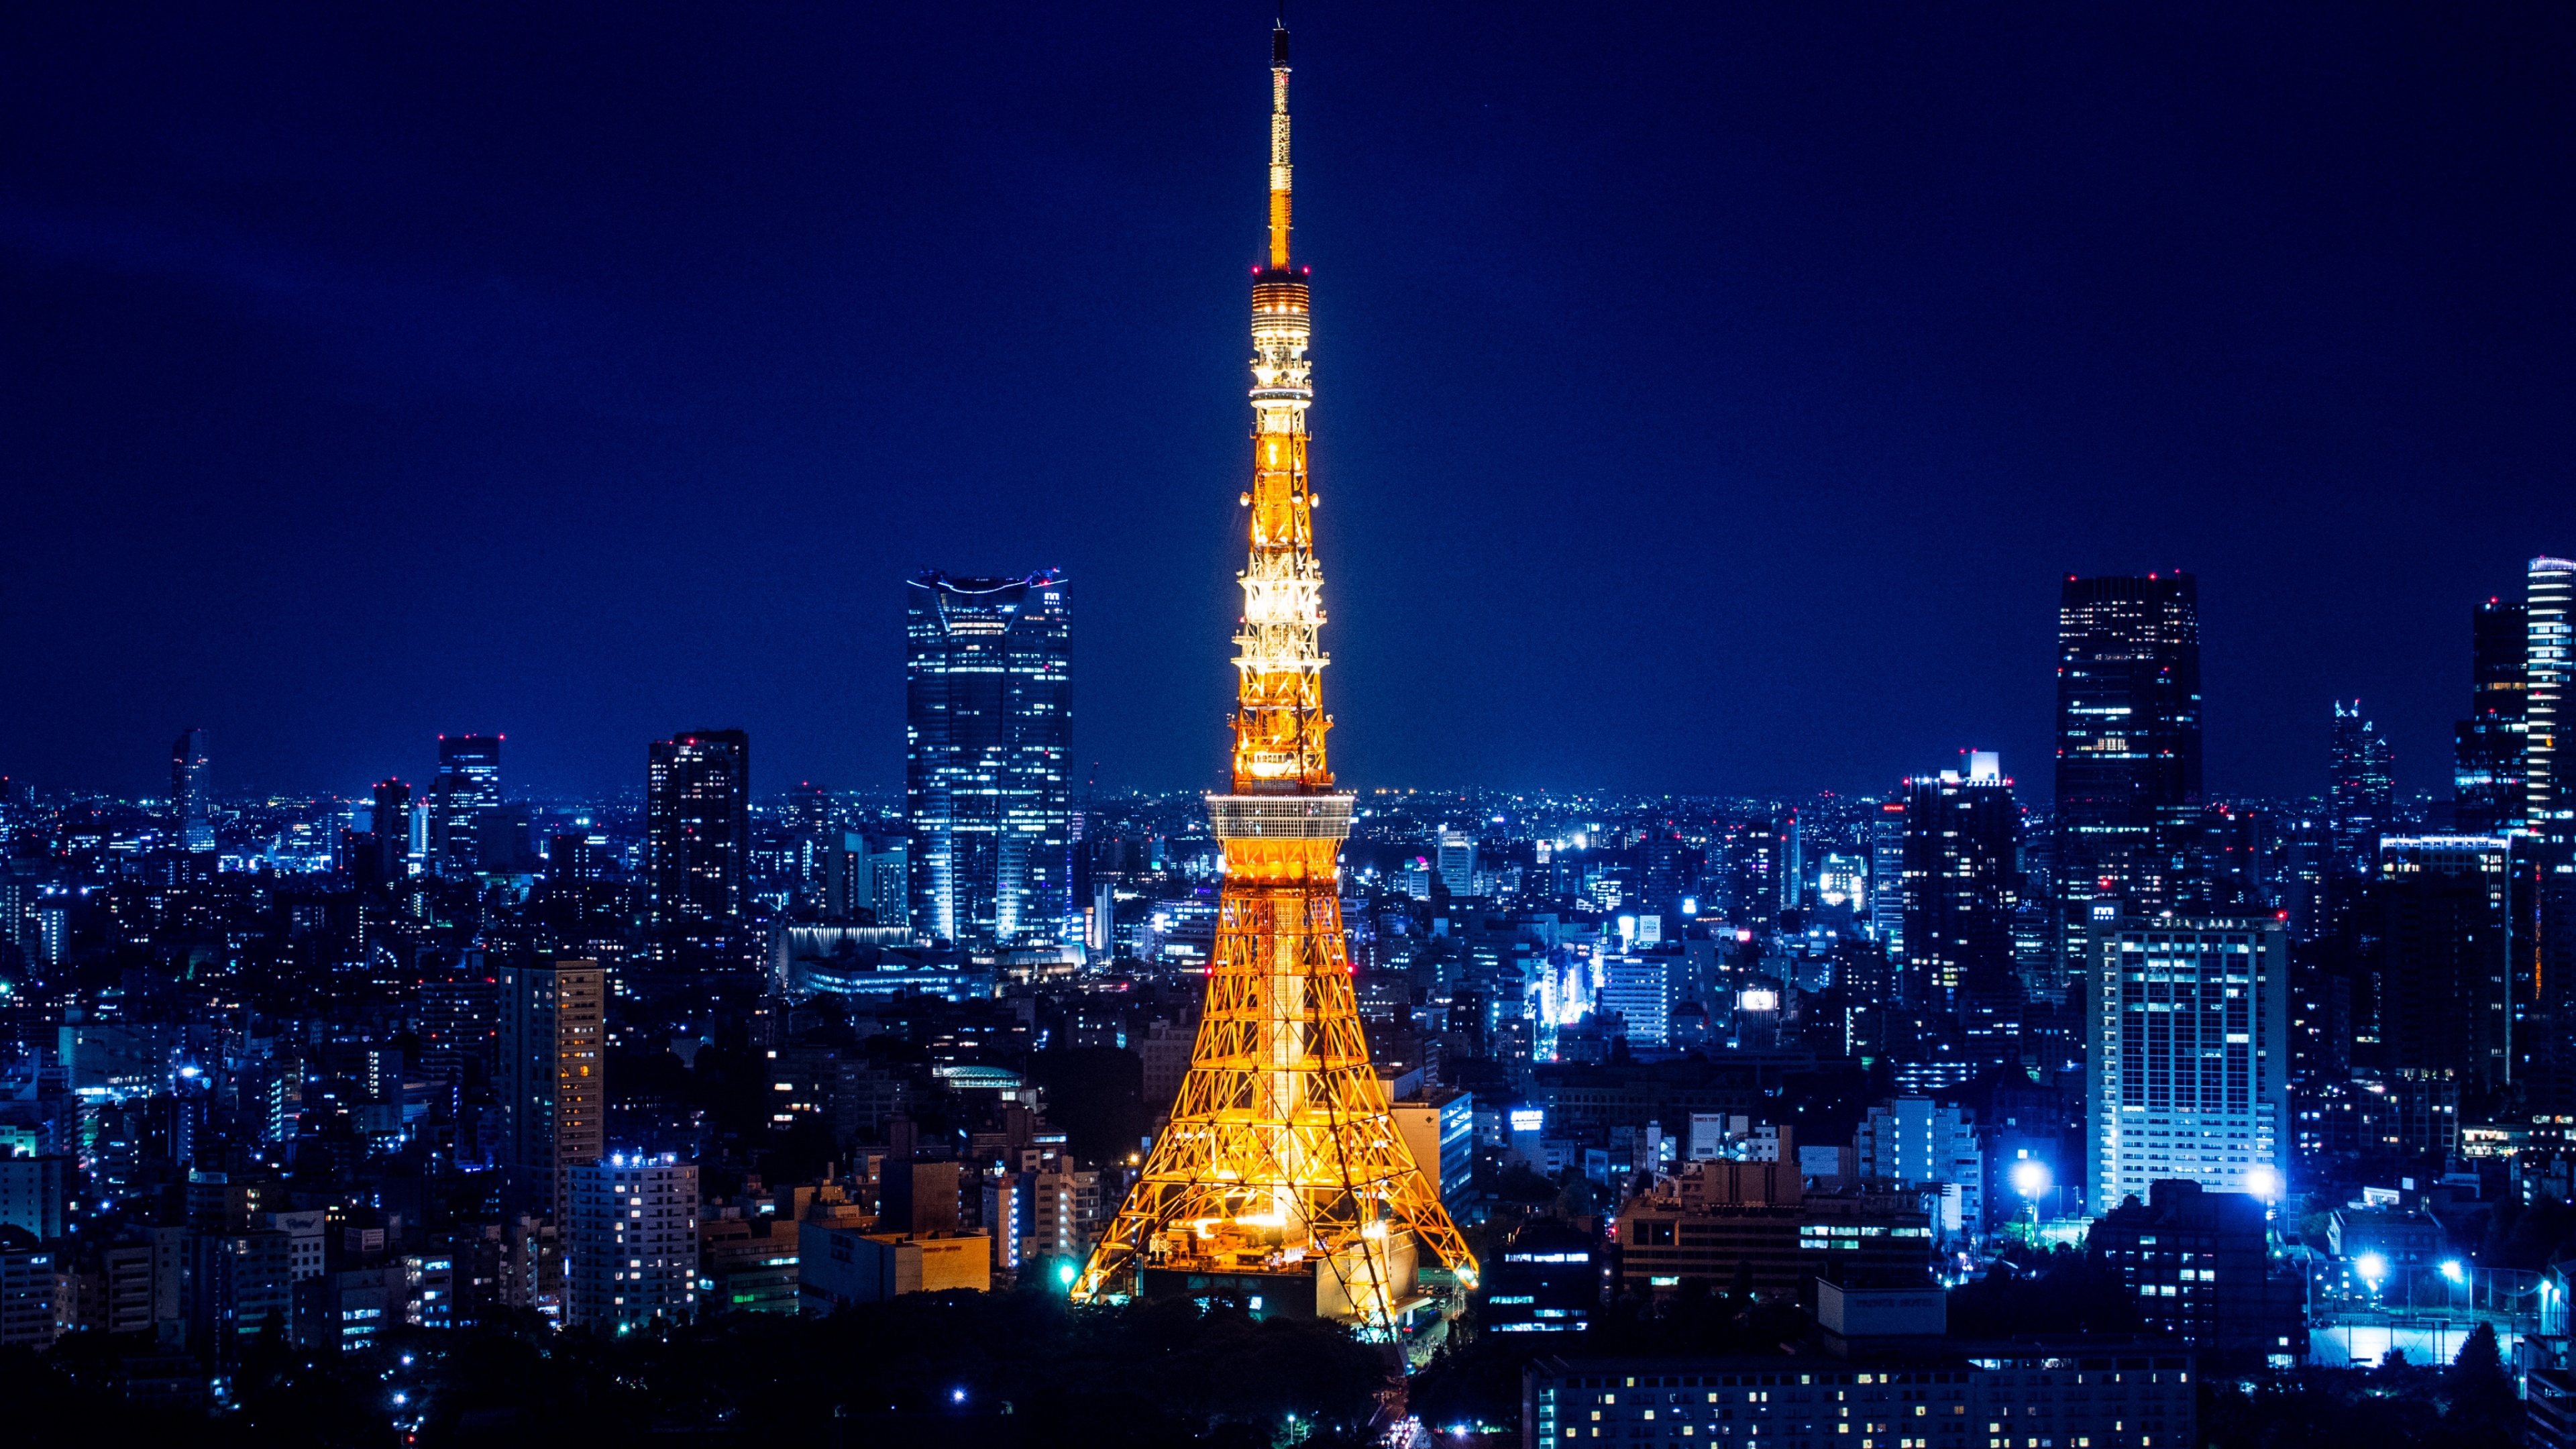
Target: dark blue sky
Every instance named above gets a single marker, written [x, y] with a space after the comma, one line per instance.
[1710, 397]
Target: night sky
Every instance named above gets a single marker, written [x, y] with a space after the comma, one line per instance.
[1710, 398]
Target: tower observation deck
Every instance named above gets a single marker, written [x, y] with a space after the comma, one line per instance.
[1282, 1173]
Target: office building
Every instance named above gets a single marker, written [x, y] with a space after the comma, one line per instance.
[2189, 1047]
[1961, 883]
[2093, 1394]
[391, 827]
[1640, 991]
[2487, 765]
[1917, 1142]
[2128, 739]
[697, 845]
[2550, 590]
[2199, 1266]
[868, 878]
[553, 1094]
[1734, 1227]
[34, 1191]
[1887, 877]
[467, 784]
[631, 1243]
[987, 732]
[2361, 791]
[2438, 919]
[1548, 1279]
[1439, 1128]
[1457, 862]
[191, 802]
[838, 1265]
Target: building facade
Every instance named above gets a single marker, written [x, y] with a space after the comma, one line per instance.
[1922, 1143]
[988, 733]
[2128, 738]
[467, 784]
[191, 803]
[631, 1243]
[1961, 882]
[2487, 763]
[2549, 595]
[697, 846]
[552, 1088]
[2189, 1049]
[2443, 977]
[2088, 1395]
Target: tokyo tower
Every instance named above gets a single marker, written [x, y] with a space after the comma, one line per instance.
[1282, 1176]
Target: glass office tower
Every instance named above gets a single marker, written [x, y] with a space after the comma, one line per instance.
[697, 844]
[988, 732]
[468, 783]
[191, 804]
[2128, 739]
[2487, 768]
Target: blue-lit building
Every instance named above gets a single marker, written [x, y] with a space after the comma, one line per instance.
[697, 849]
[191, 803]
[1548, 1279]
[988, 730]
[467, 784]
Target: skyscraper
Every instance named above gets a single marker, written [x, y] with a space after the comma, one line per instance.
[1960, 882]
[2128, 738]
[2438, 920]
[468, 782]
[697, 842]
[2487, 764]
[2185, 1078]
[2361, 793]
[191, 804]
[988, 726]
[552, 1090]
[2547, 662]
[1887, 877]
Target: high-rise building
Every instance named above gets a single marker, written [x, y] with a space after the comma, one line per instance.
[988, 727]
[2361, 791]
[631, 1243]
[2189, 1051]
[1457, 863]
[467, 784]
[697, 844]
[191, 803]
[2487, 764]
[2128, 739]
[2547, 663]
[2438, 918]
[1283, 1167]
[1961, 886]
[551, 1083]
[1887, 877]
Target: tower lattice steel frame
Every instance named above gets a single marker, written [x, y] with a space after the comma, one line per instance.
[1282, 1154]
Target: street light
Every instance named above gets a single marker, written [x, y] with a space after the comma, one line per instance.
[2030, 1179]
[2372, 1268]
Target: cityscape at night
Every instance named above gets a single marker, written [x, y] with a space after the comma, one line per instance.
[1923, 811]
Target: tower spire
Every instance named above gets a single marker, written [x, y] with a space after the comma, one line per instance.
[1279, 142]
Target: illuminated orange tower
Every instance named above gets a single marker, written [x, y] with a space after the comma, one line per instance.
[1282, 1170]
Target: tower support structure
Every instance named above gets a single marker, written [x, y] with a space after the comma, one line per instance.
[1282, 1164]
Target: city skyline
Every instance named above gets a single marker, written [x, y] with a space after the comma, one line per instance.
[2055, 1082]
[1900, 463]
